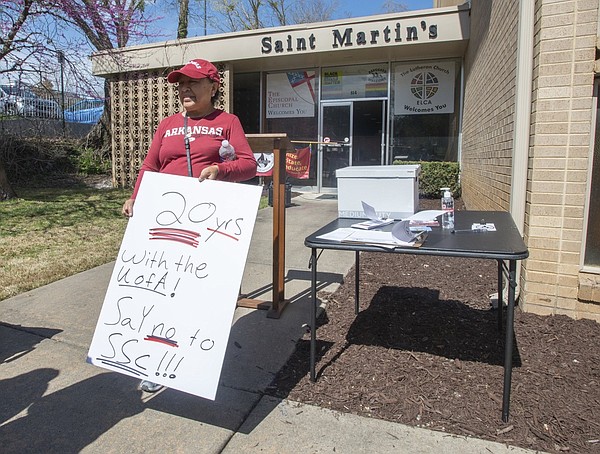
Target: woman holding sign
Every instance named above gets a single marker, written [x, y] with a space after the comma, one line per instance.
[188, 142]
[196, 153]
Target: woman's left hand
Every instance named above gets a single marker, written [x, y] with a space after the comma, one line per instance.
[209, 173]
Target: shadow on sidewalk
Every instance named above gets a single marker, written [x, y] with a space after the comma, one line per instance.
[37, 415]
[19, 346]
[67, 420]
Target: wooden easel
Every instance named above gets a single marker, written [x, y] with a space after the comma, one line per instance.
[277, 144]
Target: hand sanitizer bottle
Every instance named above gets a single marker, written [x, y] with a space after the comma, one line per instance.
[226, 152]
[448, 207]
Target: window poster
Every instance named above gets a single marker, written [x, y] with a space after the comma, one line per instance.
[170, 301]
[265, 163]
[291, 94]
[331, 84]
[354, 82]
[424, 88]
[297, 163]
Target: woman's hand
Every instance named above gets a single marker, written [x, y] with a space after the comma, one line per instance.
[128, 208]
[209, 173]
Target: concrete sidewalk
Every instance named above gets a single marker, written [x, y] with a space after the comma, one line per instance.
[52, 401]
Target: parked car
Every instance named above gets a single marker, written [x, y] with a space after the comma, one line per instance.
[20, 100]
[86, 111]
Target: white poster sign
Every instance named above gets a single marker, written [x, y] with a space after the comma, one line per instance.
[291, 94]
[424, 88]
[170, 301]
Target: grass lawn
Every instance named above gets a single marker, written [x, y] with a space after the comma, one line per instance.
[49, 233]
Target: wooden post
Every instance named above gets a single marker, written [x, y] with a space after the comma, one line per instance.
[277, 144]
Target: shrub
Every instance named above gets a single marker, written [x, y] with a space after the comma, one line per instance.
[91, 162]
[27, 159]
[31, 158]
[436, 175]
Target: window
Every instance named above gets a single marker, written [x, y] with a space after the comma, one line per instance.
[592, 240]
[291, 104]
[425, 111]
[246, 101]
[291, 107]
[355, 82]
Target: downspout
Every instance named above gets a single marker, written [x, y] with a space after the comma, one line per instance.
[522, 119]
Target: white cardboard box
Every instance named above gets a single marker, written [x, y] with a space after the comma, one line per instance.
[392, 190]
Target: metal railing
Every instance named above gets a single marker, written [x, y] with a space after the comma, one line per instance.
[17, 101]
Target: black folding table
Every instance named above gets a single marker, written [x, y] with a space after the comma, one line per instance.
[504, 245]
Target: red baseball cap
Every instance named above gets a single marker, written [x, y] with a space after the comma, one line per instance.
[196, 69]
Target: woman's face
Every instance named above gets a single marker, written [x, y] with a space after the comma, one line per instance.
[195, 94]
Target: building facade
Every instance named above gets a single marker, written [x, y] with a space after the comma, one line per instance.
[529, 132]
[506, 88]
[364, 91]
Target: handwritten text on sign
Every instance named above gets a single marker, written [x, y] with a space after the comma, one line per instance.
[170, 301]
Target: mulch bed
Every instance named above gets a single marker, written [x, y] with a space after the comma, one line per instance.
[425, 351]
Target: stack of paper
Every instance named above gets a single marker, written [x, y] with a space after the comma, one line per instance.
[399, 236]
[372, 224]
[374, 221]
[425, 218]
[402, 232]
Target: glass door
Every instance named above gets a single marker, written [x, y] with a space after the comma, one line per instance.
[368, 133]
[335, 150]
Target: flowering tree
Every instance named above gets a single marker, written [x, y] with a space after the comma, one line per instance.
[24, 35]
[40, 38]
[107, 24]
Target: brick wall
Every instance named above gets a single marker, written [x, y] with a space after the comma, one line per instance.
[561, 131]
[565, 36]
[489, 104]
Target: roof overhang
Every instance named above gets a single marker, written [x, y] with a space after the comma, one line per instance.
[432, 33]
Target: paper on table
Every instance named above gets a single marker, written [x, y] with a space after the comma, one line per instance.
[402, 232]
[370, 211]
[337, 234]
[376, 237]
[489, 227]
[373, 221]
[368, 225]
[426, 215]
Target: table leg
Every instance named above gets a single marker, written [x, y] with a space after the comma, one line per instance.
[313, 313]
[356, 281]
[508, 348]
[500, 295]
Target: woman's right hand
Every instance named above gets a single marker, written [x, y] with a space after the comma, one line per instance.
[128, 208]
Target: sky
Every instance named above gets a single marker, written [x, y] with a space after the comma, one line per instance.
[347, 8]
[167, 26]
[370, 7]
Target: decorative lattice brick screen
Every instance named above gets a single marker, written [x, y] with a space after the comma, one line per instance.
[139, 101]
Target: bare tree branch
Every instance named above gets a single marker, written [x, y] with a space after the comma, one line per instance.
[313, 11]
[237, 15]
[393, 6]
